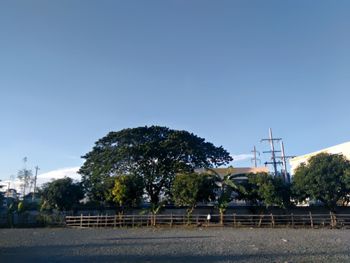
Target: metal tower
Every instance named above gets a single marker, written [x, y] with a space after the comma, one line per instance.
[273, 152]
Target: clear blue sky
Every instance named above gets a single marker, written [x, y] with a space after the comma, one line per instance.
[71, 71]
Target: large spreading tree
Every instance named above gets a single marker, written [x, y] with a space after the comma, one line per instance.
[155, 153]
[326, 177]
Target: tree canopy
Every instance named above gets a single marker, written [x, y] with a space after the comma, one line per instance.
[155, 153]
[62, 194]
[326, 177]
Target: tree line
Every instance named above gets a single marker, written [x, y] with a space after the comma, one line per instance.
[160, 166]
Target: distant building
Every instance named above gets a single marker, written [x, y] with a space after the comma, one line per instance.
[11, 193]
[10, 196]
[235, 171]
[343, 149]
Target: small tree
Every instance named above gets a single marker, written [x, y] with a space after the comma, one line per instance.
[62, 194]
[189, 189]
[227, 185]
[127, 190]
[326, 177]
[263, 187]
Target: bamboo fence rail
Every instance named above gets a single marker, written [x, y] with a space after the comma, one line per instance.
[309, 220]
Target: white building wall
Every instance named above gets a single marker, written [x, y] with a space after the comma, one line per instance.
[343, 149]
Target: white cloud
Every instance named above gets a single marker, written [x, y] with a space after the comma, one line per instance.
[241, 157]
[61, 173]
[71, 172]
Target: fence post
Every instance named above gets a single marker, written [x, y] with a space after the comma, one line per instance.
[260, 220]
[311, 220]
[272, 220]
[81, 220]
[330, 213]
[234, 220]
[155, 220]
[171, 220]
[115, 221]
[106, 218]
[333, 219]
[133, 220]
[292, 215]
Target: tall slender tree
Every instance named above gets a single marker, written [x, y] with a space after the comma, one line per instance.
[26, 177]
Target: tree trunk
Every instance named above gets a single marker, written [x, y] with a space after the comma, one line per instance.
[189, 213]
[222, 212]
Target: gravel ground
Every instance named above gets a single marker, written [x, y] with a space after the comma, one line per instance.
[174, 245]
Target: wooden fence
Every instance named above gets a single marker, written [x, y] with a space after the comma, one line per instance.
[234, 220]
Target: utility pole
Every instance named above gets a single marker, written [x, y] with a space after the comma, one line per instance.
[284, 163]
[283, 157]
[25, 159]
[255, 159]
[273, 152]
[36, 175]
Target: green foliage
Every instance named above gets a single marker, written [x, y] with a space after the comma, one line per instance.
[61, 194]
[26, 205]
[250, 192]
[20, 207]
[266, 188]
[326, 177]
[190, 188]
[155, 153]
[127, 190]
